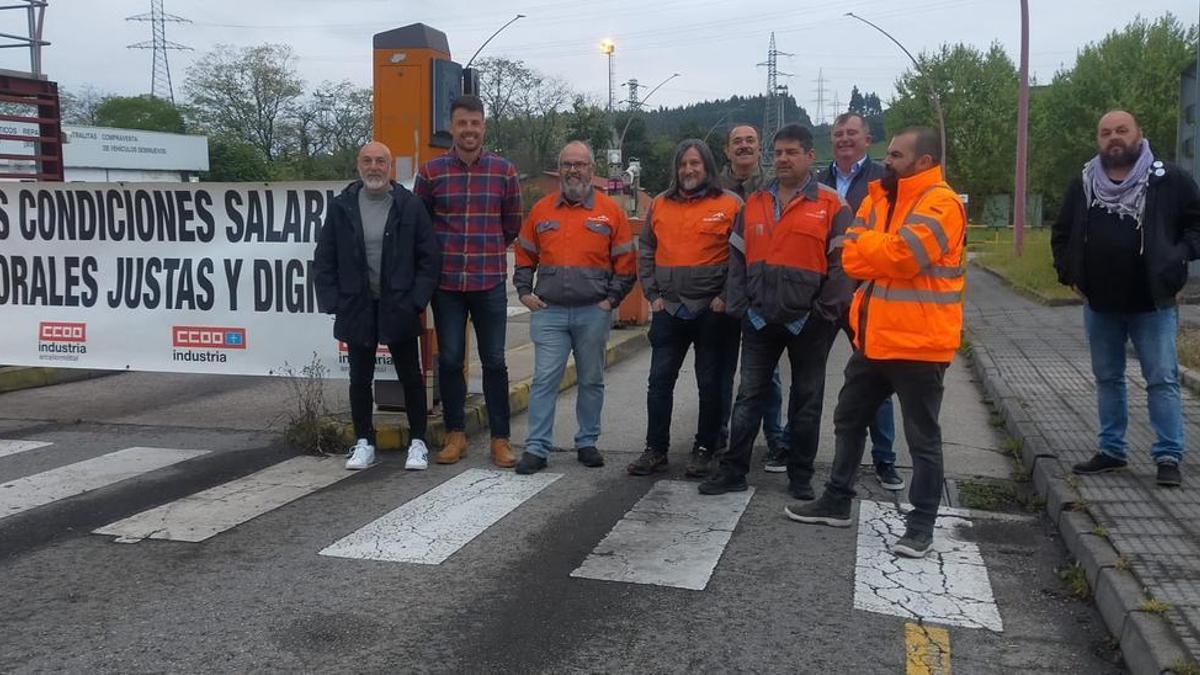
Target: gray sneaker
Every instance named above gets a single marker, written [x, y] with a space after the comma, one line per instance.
[913, 544]
[824, 511]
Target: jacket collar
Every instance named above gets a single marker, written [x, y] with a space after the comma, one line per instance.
[909, 187]
[810, 190]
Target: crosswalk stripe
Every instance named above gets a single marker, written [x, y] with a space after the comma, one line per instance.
[435, 525]
[673, 536]
[91, 474]
[949, 586]
[8, 447]
[205, 514]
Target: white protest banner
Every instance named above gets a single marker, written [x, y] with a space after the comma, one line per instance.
[173, 277]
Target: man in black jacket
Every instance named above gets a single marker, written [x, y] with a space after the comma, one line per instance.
[1128, 226]
[377, 263]
[849, 173]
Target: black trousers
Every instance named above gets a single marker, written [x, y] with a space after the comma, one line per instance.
[918, 386]
[406, 356]
[808, 353]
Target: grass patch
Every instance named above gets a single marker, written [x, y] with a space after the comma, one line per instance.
[308, 424]
[1100, 531]
[1188, 345]
[1154, 606]
[1076, 580]
[1033, 271]
[987, 496]
[1185, 668]
[1122, 563]
[1012, 447]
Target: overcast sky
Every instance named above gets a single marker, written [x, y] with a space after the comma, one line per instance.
[714, 44]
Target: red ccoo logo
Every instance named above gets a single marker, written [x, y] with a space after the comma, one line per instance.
[208, 337]
[62, 331]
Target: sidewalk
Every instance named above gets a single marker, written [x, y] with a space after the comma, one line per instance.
[1135, 541]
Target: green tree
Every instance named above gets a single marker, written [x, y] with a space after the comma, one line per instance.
[234, 160]
[139, 112]
[978, 93]
[79, 106]
[1137, 69]
[246, 93]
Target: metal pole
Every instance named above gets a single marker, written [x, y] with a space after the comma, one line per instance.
[933, 96]
[1196, 113]
[621, 140]
[485, 42]
[1022, 137]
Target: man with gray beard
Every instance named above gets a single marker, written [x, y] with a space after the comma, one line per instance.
[579, 244]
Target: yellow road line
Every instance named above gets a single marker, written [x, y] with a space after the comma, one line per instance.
[927, 650]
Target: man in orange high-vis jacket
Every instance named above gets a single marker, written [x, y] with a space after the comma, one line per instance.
[579, 243]
[787, 284]
[683, 259]
[907, 246]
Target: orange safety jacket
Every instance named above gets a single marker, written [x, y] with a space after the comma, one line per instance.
[583, 253]
[785, 267]
[683, 253]
[910, 256]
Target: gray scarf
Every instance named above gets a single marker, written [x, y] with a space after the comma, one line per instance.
[1127, 198]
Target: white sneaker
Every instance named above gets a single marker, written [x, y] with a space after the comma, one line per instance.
[418, 456]
[362, 455]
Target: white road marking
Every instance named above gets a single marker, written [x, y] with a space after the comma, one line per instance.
[43, 488]
[435, 525]
[950, 586]
[13, 447]
[205, 514]
[673, 536]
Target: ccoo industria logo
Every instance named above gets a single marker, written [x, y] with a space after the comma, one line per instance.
[61, 340]
[205, 344]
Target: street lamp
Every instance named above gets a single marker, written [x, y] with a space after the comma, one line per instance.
[1022, 137]
[937, 103]
[485, 42]
[607, 47]
[621, 140]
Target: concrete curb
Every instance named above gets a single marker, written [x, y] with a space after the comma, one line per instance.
[1032, 294]
[624, 343]
[1189, 379]
[1149, 644]
[16, 378]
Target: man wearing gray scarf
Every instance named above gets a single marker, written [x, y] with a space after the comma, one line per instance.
[1129, 224]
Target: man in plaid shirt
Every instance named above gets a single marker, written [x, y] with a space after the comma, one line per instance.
[474, 198]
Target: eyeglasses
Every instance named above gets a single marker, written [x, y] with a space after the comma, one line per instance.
[574, 166]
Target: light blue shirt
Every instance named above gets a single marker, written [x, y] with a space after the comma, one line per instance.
[794, 327]
[844, 179]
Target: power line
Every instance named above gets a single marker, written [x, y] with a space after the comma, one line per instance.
[160, 69]
[773, 108]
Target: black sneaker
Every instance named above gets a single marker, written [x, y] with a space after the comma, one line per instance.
[824, 511]
[777, 459]
[721, 482]
[801, 490]
[530, 463]
[651, 461]
[700, 464]
[888, 477]
[913, 544]
[1099, 463]
[1168, 474]
[589, 456]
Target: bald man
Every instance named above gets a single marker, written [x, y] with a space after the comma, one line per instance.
[1128, 226]
[377, 263]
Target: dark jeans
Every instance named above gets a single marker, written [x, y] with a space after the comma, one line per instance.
[918, 386]
[761, 350]
[883, 427]
[406, 357]
[488, 311]
[715, 338]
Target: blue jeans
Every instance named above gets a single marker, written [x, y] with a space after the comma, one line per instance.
[556, 333]
[489, 314]
[883, 434]
[1153, 337]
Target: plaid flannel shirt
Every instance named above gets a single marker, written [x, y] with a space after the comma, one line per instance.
[476, 212]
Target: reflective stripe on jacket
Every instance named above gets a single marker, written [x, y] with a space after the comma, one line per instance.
[785, 268]
[912, 261]
[683, 253]
[582, 253]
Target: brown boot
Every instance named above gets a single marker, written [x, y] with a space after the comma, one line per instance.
[454, 449]
[502, 455]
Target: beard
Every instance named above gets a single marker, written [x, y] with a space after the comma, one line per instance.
[1120, 156]
[574, 189]
[890, 181]
[374, 183]
[690, 184]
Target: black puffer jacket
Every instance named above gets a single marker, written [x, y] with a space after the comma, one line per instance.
[1170, 232]
[409, 274]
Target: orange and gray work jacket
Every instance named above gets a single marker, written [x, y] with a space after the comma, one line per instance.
[683, 253]
[910, 256]
[787, 258]
[582, 253]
